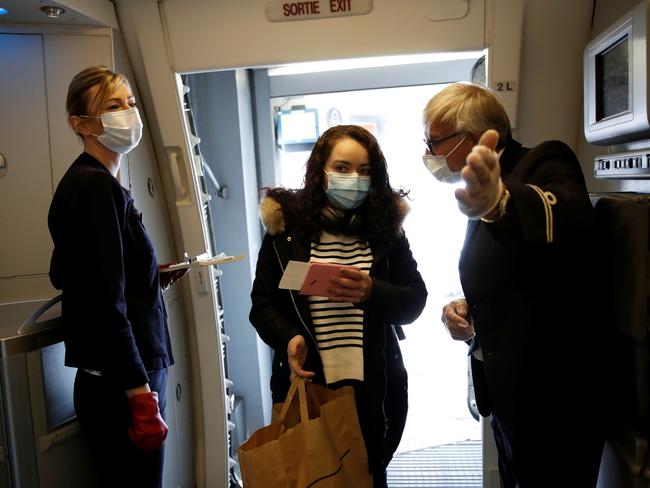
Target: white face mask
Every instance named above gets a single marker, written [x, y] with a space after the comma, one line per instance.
[347, 191]
[122, 130]
[438, 167]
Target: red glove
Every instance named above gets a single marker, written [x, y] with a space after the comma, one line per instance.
[149, 429]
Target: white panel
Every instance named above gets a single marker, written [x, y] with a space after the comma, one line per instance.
[490, 456]
[144, 184]
[26, 189]
[373, 78]
[505, 21]
[65, 56]
[550, 88]
[77, 12]
[171, 467]
[159, 88]
[140, 173]
[211, 34]
[181, 394]
[100, 11]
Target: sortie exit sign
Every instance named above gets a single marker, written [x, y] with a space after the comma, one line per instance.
[282, 11]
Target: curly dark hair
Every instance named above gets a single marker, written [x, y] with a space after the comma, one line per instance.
[378, 216]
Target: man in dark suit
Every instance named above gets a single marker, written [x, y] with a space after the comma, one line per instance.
[525, 272]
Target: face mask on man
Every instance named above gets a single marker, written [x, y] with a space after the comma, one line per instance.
[439, 168]
[347, 191]
[122, 130]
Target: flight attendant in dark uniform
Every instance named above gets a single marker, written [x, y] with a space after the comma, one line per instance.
[113, 313]
[525, 269]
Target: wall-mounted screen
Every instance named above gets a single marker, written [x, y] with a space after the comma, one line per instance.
[616, 94]
[613, 80]
[297, 126]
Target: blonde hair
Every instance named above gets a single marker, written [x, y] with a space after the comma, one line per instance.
[467, 107]
[79, 102]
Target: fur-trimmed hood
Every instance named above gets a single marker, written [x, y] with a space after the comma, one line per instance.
[273, 217]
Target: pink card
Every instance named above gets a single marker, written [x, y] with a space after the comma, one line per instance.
[318, 279]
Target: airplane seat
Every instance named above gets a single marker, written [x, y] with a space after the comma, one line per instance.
[622, 253]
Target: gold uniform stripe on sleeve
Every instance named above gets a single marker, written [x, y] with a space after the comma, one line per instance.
[548, 199]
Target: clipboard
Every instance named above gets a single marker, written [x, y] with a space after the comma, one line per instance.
[193, 262]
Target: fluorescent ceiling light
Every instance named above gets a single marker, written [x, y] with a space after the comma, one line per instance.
[359, 63]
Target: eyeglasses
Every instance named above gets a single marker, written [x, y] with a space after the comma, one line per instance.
[432, 143]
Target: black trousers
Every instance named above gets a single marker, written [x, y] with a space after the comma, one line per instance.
[551, 454]
[104, 416]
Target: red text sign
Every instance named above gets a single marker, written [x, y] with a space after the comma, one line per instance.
[281, 11]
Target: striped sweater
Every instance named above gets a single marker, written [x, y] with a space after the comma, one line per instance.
[339, 325]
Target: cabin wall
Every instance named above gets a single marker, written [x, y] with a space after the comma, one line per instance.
[605, 13]
[202, 35]
[37, 143]
[547, 98]
[550, 96]
[217, 34]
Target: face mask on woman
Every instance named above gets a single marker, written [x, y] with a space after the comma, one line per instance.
[347, 191]
[439, 168]
[122, 130]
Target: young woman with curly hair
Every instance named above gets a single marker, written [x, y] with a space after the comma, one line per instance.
[346, 213]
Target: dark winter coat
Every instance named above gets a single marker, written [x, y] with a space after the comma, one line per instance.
[398, 297]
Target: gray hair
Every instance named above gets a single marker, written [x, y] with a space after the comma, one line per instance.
[470, 108]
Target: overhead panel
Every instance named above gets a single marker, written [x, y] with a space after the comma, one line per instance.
[207, 35]
[59, 12]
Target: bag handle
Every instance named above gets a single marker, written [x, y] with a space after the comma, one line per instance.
[299, 385]
[315, 401]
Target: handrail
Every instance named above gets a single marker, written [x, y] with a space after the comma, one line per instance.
[29, 324]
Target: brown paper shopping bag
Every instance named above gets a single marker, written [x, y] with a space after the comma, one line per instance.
[315, 442]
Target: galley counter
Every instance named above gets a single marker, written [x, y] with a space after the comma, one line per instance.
[40, 439]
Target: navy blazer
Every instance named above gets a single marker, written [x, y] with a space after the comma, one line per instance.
[104, 263]
[529, 287]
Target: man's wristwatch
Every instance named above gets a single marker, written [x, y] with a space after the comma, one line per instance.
[501, 206]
